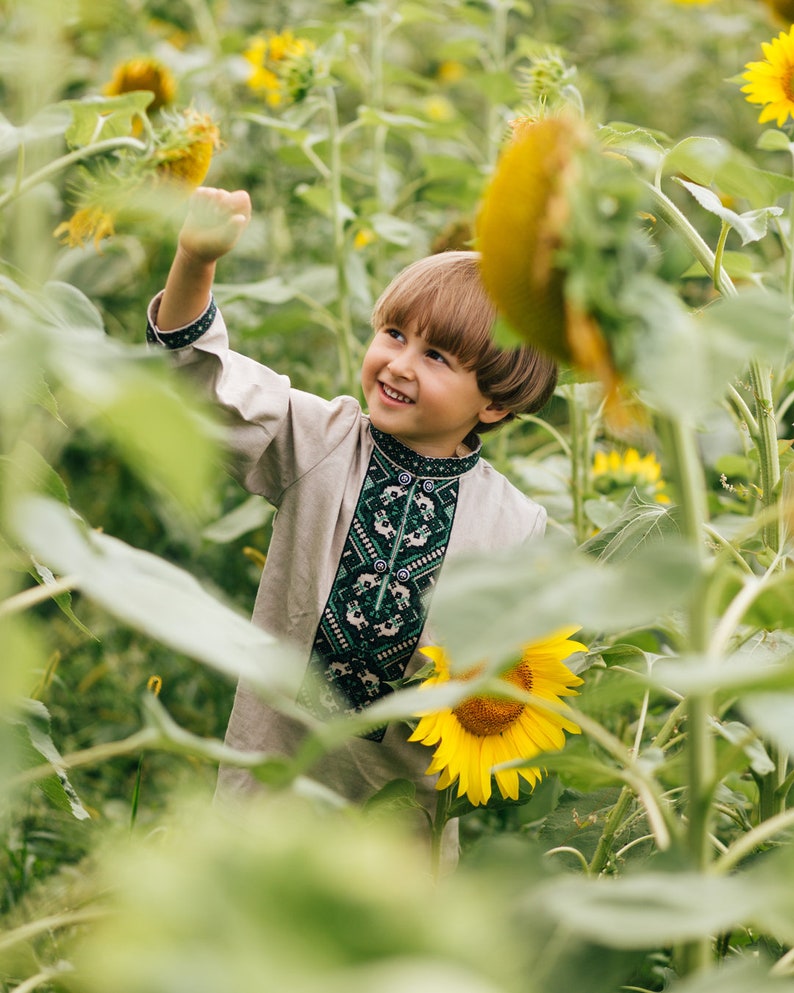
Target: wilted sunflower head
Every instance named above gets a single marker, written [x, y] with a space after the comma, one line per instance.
[186, 149]
[520, 228]
[143, 73]
[562, 230]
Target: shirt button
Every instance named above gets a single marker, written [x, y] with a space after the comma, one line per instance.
[381, 565]
[403, 575]
[404, 478]
[428, 486]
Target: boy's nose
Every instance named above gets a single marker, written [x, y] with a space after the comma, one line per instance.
[402, 366]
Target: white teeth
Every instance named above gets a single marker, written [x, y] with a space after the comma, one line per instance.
[394, 395]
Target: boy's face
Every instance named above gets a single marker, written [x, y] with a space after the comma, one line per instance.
[421, 395]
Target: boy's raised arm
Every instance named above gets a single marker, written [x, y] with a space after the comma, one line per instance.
[214, 222]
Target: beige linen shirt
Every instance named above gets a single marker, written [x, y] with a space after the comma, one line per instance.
[309, 457]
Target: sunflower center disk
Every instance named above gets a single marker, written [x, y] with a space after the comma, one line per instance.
[486, 715]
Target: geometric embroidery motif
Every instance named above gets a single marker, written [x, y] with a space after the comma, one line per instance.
[184, 336]
[381, 594]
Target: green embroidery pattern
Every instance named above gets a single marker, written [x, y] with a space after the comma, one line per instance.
[381, 594]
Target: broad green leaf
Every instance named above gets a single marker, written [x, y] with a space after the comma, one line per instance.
[97, 118]
[69, 308]
[713, 162]
[49, 122]
[487, 605]
[688, 361]
[651, 909]
[319, 197]
[393, 229]
[373, 116]
[773, 140]
[273, 290]
[772, 715]
[32, 721]
[750, 226]
[160, 436]
[639, 523]
[155, 597]
[738, 265]
[739, 976]
[252, 513]
[772, 607]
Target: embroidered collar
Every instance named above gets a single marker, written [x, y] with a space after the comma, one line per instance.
[420, 465]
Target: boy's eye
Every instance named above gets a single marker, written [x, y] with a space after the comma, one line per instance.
[436, 356]
[394, 333]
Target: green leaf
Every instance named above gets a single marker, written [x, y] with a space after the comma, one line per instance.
[252, 513]
[392, 229]
[639, 523]
[97, 118]
[688, 361]
[47, 123]
[32, 721]
[750, 226]
[372, 117]
[772, 716]
[738, 976]
[487, 605]
[651, 909]
[773, 140]
[156, 597]
[713, 162]
[273, 290]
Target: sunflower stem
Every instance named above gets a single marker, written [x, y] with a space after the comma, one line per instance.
[344, 333]
[682, 454]
[59, 164]
[440, 821]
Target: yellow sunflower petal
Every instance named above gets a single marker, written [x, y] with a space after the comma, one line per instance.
[519, 230]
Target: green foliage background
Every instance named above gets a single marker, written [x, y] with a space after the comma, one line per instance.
[655, 854]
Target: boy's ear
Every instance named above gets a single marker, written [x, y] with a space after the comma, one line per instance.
[492, 414]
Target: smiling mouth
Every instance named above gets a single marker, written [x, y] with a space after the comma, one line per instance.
[394, 395]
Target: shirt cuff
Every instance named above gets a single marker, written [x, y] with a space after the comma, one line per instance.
[179, 337]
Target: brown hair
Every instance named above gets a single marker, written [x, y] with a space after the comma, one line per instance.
[444, 294]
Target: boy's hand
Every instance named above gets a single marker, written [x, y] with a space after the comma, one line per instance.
[214, 222]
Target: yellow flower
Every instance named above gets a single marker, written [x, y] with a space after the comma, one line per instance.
[450, 71]
[143, 74]
[482, 732]
[439, 109]
[520, 227]
[614, 470]
[363, 237]
[281, 66]
[188, 148]
[770, 82]
[92, 223]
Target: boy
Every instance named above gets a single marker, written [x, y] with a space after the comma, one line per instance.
[369, 505]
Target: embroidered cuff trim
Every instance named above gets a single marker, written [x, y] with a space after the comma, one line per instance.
[182, 337]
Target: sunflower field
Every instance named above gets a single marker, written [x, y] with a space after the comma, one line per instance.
[611, 712]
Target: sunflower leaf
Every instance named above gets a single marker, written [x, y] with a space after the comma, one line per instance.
[750, 226]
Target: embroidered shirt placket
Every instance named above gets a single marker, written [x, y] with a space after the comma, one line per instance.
[398, 539]
[363, 642]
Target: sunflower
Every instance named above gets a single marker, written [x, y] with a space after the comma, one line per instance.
[282, 66]
[483, 732]
[89, 223]
[615, 472]
[143, 74]
[770, 82]
[187, 149]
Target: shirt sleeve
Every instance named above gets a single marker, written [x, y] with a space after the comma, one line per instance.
[273, 433]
